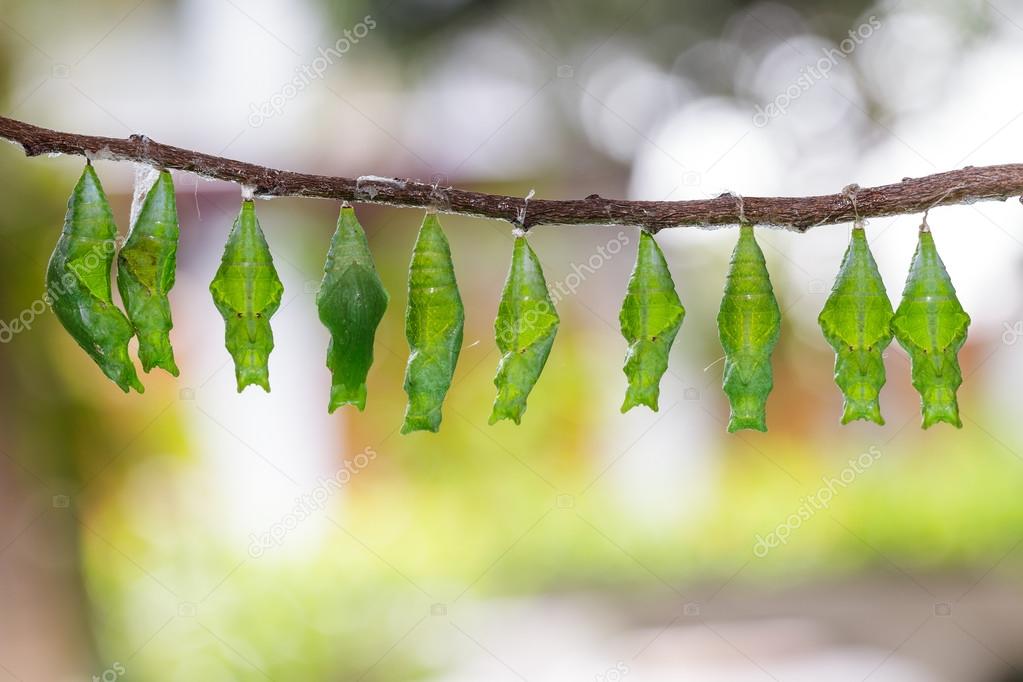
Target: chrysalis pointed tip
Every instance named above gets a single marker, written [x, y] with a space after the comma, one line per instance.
[503, 415]
[88, 182]
[166, 365]
[944, 415]
[244, 382]
[627, 406]
[413, 424]
[632, 400]
[341, 396]
[868, 412]
[746, 423]
[133, 382]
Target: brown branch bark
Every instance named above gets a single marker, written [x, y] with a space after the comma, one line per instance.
[912, 195]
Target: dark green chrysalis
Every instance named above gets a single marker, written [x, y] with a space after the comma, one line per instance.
[856, 321]
[650, 319]
[525, 328]
[145, 274]
[247, 292]
[434, 321]
[78, 282]
[931, 325]
[351, 301]
[749, 323]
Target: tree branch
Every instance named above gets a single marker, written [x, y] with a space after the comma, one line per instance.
[912, 195]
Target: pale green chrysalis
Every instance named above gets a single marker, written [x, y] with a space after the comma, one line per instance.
[749, 323]
[856, 321]
[525, 328]
[351, 303]
[145, 274]
[931, 325]
[434, 321]
[650, 319]
[247, 292]
[78, 282]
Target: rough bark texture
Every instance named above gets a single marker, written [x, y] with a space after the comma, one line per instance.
[912, 195]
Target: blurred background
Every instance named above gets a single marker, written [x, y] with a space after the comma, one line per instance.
[192, 533]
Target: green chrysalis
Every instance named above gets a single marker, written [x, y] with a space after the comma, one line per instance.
[247, 292]
[145, 274]
[856, 321]
[650, 319]
[931, 325]
[525, 328]
[749, 323]
[433, 326]
[78, 282]
[351, 301]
